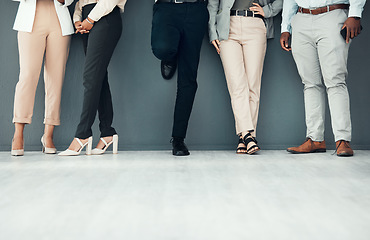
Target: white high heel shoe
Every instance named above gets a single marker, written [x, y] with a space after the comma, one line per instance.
[97, 151]
[88, 146]
[45, 149]
[18, 152]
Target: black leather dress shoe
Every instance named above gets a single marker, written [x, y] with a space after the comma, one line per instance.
[168, 69]
[179, 147]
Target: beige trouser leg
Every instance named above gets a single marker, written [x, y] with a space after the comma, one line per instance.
[242, 57]
[321, 56]
[46, 38]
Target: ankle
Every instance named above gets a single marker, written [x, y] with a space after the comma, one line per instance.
[178, 139]
[48, 135]
[18, 136]
[244, 134]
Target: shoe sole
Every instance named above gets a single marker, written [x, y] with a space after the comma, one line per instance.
[344, 155]
[179, 154]
[314, 151]
[253, 152]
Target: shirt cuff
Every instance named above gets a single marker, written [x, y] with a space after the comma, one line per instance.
[93, 17]
[354, 12]
[77, 20]
[286, 28]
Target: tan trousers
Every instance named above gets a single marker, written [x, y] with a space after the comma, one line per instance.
[45, 40]
[242, 57]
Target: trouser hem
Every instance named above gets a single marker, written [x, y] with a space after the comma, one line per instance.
[22, 120]
[53, 122]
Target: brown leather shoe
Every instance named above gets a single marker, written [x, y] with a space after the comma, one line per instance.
[343, 148]
[309, 146]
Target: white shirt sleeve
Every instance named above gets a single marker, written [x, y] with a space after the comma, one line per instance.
[356, 7]
[103, 8]
[77, 16]
[290, 8]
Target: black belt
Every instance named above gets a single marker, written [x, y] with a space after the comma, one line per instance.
[181, 1]
[245, 13]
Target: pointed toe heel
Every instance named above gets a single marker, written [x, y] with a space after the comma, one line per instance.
[88, 146]
[45, 149]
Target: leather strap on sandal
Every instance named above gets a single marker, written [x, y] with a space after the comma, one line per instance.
[241, 148]
[248, 138]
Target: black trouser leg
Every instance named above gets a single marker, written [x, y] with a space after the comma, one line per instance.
[178, 30]
[100, 45]
[105, 110]
[165, 32]
[195, 27]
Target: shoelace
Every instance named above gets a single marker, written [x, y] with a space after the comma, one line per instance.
[336, 149]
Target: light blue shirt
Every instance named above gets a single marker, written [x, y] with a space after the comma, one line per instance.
[290, 8]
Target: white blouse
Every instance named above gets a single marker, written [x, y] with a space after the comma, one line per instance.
[102, 8]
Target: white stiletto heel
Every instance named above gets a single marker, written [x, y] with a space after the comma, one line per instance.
[88, 146]
[18, 152]
[45, 149]
[97, 151]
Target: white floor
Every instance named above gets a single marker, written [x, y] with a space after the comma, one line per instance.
[214, 195]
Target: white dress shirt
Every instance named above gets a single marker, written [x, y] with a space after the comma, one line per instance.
[27, 11]
[102, 8]
[290, 8]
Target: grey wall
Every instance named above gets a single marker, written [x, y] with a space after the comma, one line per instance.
[144, 102]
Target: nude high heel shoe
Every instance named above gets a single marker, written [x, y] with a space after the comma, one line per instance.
[88, 146]
[45, 149]
[17, 152]
[97, 151]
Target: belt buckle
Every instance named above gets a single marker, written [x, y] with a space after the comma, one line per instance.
[179, 1]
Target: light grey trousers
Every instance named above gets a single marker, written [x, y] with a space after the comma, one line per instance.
[321, 55]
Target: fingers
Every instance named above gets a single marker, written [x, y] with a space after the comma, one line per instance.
[284, 46]
[257, 9]
[356, 31]
[353, 28]
[216, 44]
[353, 32]
[284, 41]
[348, 35]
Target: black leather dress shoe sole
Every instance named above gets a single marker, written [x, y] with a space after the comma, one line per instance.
[168, 69]
[180, 153]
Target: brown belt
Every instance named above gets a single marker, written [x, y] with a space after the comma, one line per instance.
[323, 9]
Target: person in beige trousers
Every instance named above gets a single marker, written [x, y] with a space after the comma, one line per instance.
[239, 29]
[44, 28]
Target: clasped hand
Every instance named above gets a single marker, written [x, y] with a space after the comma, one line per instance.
[84, 27]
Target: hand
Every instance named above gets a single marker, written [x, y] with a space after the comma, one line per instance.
[86, 25]
[216, 44]
[353, 26]
[79, 28]
[284, 41]
[257, 9]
